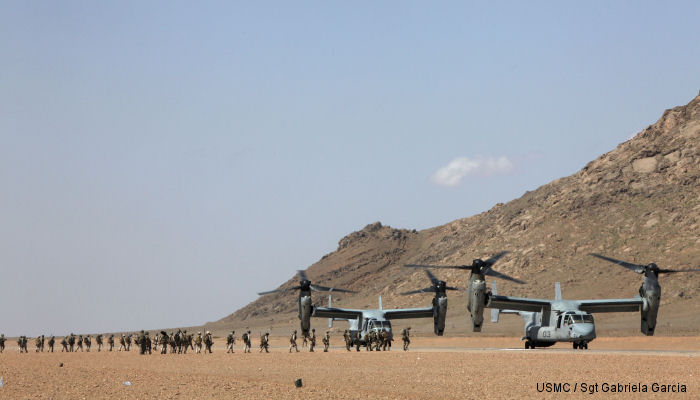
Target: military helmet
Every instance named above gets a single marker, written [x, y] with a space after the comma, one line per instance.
[312, 330]
[146, 333]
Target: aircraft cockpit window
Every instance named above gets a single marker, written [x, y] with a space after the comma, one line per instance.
[588, 318]
[577, 318]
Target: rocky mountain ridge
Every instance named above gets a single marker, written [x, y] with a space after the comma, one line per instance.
[639, 202]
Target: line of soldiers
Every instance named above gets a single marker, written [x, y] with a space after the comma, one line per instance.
[180, 341]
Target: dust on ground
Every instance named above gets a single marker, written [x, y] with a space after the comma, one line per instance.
[451, 368]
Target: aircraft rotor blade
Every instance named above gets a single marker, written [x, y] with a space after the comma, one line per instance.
[634, 267]
[496, 274]
[302, 275]
[432, 277]
[673, 271]
[317, 288]
[437, 266]
[495, 258]
[453, 288]
[426, 290]
[279, 290]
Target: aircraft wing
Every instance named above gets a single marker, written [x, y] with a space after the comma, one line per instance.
[611, 305]
[334, 312]
[518, 303]
[405, 313]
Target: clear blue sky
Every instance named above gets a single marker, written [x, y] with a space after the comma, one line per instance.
[160, 162]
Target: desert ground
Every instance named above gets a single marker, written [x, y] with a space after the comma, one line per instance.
[451, 368]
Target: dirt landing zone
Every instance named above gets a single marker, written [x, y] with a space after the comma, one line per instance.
[451, 368]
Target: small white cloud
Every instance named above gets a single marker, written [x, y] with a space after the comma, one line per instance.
[453, 173]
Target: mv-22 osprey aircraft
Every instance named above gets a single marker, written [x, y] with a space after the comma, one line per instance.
[477, 284]
[558, 320]
[364, 321]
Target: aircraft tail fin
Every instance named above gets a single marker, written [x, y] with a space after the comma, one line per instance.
[330, 304]
[380, 303]
[557, 291]
[495, 312]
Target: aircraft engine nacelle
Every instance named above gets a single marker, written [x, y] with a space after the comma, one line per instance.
[650, 309]
[305, 310]
[439, 315]
[476, 303]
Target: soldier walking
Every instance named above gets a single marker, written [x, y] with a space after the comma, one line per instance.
[230, 340]
[293, 341]
[246, 342]
[386, 340]
[149, 343]
[348, 339]
[79, 343]
[52, 341]
[141, 341]
[43, 341]
[305, 341]
[405, 336]
[37, 343]
[64, 345]
[2, 342]
[122, 342]
[313, 340]
[208, 342]
[88, 343]
[198, 343]
[98, 340]
[110, 341]
[128, 342]
[71, 341]
[326, 341]
[265, 342]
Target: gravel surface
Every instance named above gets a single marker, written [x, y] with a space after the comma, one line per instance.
[437, 368]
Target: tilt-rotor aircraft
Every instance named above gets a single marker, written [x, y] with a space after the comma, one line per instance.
[558, 320]
[305, 288]
[477, 284]
[363, 321]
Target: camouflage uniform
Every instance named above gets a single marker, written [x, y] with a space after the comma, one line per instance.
[71, 341]
[22, 344]
[37, 343]
[2, 342]
[64, 345]
[246, 342]
[79, 343]
[148, 343]
[405, 333]
[265, 342]
[313, 340]
[293, 341]
[141, 341]
[208, 342]
[348, 339]
[110, 341]
[326, 341]
[43, 340]
[88, 343]
[305, 341]
[198, 343]
[230, 340]
[98, 340]
[128, 342]
[371, 338]
[386, 340]
[52, 341]
[122, 342]
[163, 340]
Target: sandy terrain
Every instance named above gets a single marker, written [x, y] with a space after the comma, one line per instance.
[453, 368]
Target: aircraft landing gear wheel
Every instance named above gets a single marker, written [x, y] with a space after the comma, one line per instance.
[585, 345]
[529, 345]
[575, 345]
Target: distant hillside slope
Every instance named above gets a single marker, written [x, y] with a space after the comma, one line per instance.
[639, 202]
